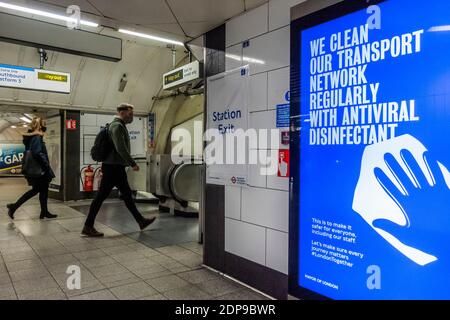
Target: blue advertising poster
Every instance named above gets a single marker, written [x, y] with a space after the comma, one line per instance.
[374, 161]
[11, 156]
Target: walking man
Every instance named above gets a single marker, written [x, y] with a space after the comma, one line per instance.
[114, 173]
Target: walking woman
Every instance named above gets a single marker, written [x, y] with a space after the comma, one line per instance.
[34, 142]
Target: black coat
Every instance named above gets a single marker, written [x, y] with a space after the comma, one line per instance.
[35, 143]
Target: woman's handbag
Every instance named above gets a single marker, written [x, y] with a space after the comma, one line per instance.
[30, 167]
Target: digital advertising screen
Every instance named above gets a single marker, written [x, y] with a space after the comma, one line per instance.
[370, 188]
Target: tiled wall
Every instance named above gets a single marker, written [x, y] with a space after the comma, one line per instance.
[90, 125]
[256, 226]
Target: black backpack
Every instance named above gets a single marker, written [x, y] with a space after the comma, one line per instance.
[102, 146]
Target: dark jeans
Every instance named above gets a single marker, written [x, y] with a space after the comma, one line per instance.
[113, 176]
[38, 186]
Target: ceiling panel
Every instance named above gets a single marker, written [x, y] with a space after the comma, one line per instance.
[195, 29]
[65, 63]
[216, 11]
[135, 60]
[84, 5]
[195, 16]
[92, 77]
[173, 28]
[136, 11]
[251, 4]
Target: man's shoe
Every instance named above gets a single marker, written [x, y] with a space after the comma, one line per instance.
[91, 232]
[47, 215]
[11, 210]
[146, 222]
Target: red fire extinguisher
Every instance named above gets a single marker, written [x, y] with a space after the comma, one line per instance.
[88, 182]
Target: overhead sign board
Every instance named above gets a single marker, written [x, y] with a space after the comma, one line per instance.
[39, 34]
[34, 79]
[182, 76]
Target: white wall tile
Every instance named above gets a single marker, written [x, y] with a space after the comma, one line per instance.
[88, 119]
[269, 51]
[263, 120]
[280, 12]
[233, 57]
[91, 130]
[278, 86]
[88, 143]
[258, 92]
[277, 250]
[255, 178]
[268, 208]
[103, 119]
[233, 202]
[248, 25]
[275, 182]
[81, 135]
[245, 240]
[86, 158]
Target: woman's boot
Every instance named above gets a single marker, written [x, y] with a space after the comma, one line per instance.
[11, 210]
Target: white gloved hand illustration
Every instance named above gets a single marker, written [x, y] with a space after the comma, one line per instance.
[393, 175]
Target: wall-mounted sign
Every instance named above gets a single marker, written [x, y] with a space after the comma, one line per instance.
[34, 79]
[283, 163]
[71, 125]
[283, 112]
[182, 76]
[285, 138]
[151, 129]
[227, 113]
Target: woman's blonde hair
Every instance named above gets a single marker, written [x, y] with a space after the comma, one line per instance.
[36, 124]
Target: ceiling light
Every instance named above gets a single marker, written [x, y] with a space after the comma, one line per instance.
[25, 126]
[147, 36]
[440, 28]
[45, 14]
[29, 116]
[25, 119]
[13, 127]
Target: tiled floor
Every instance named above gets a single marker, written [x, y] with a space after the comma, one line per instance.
[167, 229]
[35, 256]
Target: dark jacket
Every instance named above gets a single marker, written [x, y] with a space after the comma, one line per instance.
[120, 155]
[35, 143]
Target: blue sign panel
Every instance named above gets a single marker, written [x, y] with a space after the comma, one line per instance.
[283, 112]
[371, 204]
[151, 129]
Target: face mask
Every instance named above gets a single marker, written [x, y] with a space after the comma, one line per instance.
[44, 129]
